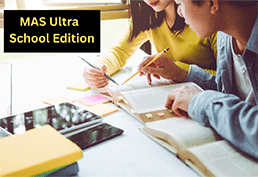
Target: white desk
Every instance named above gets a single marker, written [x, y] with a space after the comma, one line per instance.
[131, 154]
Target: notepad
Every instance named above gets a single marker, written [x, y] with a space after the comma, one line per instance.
[103, 109]
[80, 86]
[94, 99]
[57, 100]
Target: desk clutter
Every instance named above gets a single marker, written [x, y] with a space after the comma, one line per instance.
[199, 147]
[34, 146]
[83, 129]
[95, 103]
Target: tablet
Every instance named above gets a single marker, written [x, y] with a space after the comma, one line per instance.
[94, 135]
[64, 117]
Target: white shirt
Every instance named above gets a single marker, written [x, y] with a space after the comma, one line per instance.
[242, 80]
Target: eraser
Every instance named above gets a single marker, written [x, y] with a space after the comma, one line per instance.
[94, 99]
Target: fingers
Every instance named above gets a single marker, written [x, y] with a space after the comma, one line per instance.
[176, 103]
[145, 60]
[152, 70]
[157, 76]
[103, 68]
[169, 102]
[149, 79]
[95, 78]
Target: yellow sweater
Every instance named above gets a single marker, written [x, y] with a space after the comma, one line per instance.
[185, 48]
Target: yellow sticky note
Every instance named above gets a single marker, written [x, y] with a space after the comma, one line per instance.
[149, 116]
[57, 100]
[103, 109]
[80, 85]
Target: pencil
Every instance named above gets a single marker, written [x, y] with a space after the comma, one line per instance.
[98, 69]
[154, 59]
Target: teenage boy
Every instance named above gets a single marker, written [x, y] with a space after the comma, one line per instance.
[229, 102]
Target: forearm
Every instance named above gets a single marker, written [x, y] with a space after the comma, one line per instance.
[117, 55]
[114, 59]
[202, 78]
[234, 119]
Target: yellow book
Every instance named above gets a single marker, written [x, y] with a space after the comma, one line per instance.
[35, 152]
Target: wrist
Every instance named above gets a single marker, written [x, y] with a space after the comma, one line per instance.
[180, 75]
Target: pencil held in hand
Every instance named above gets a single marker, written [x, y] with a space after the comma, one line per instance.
[99, 70]
[154, 59]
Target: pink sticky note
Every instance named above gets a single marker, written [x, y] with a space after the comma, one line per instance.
[94, 99]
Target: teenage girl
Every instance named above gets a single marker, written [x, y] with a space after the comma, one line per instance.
[158, 22]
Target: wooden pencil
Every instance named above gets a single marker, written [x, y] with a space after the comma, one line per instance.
[154, 59]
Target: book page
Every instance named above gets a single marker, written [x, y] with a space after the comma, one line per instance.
[181, 133]
[146, 100]
[221, 159]
[150, 99]
[138, 82]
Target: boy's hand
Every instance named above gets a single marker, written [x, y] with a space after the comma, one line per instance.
[179, 99]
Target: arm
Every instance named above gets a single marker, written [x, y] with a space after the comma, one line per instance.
[202, 78]
[117, 56]
[232, 118]
[168, 69]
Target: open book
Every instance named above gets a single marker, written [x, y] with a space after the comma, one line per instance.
[200, 147]
[143, 101]
[136, 83]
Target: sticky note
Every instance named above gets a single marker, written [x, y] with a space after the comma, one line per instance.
[103, 109]
[160, 114]
[57, 100]
[80, 85]
[149, 116]
[94, 99]
[133, 111]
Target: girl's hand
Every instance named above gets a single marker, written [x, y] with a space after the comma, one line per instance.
[162, 67]
[95, 78]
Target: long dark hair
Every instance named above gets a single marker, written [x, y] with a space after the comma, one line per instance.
[144, 18]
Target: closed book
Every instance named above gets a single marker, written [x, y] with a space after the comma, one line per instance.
[35, 152]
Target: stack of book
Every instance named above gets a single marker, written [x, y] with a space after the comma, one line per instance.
[41, 152]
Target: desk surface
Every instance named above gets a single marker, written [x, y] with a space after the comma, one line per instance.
[131, 154]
